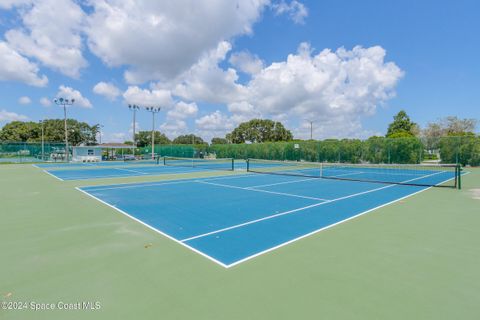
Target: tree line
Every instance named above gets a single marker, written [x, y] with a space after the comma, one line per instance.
[53, 130]
[254, 131]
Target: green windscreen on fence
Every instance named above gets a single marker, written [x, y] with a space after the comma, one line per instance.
[20, 152]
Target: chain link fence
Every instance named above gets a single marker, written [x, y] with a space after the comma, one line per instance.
[21, 152]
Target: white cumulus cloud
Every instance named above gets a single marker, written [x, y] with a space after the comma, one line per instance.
[246, 62]
[215, 124]
[51, 33]
[174, 127]
[108, 90]
[161, 39]
[243, 111]
[335, 89]
[175, 123]
[183, 110]
[44, 101]
[146, 97]
[9, 4]
[206, 81]
[11, 116]
[295, 10]
[70, 93]
[15, 67]
[24, 100]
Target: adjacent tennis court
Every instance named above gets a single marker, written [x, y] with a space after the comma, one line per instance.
[233, 219]
[119, 169]
[95, 164]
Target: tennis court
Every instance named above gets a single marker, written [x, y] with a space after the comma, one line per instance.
[61, 244]
[232, 219]
[94, 164]
[162, 166]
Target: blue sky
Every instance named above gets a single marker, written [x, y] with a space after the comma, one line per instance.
[213, 64]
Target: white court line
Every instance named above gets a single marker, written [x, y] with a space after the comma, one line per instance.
[53, 175]
[129, 185]
[279, 183]
[130, 170]
[100, 177]
[296, 210]
[260, 190]
[154, 174]
[92, 188]
[152, 228]
[347, 174]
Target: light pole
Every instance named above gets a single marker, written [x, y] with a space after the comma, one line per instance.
[134, 108]
[153, 110]
[311, 129]
[100, 133]
[65, 102]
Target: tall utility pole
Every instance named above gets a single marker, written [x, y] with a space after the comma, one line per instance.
[65, 102]
[134, 108]
[153, 110]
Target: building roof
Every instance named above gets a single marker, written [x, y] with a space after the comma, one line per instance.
[108, 146]
[115, 145]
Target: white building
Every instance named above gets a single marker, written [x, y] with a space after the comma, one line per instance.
[87, 154]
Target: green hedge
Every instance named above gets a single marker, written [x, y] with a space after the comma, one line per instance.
[374, 150]
[463, 150]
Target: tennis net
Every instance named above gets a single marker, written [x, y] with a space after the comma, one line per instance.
[213, 164]
[438, 175]
[146, 161]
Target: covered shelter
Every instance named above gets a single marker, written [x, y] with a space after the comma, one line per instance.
[101, 152]
[116, 151]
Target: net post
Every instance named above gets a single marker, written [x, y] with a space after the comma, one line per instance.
[248, 165]
[165, 160]
[233, 164]
[459, 177]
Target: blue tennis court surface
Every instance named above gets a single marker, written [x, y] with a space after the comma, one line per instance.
[232, 219]
[119, 172]
[94, 164]
[100, 170]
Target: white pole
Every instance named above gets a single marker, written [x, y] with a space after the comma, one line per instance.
[153, 135]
